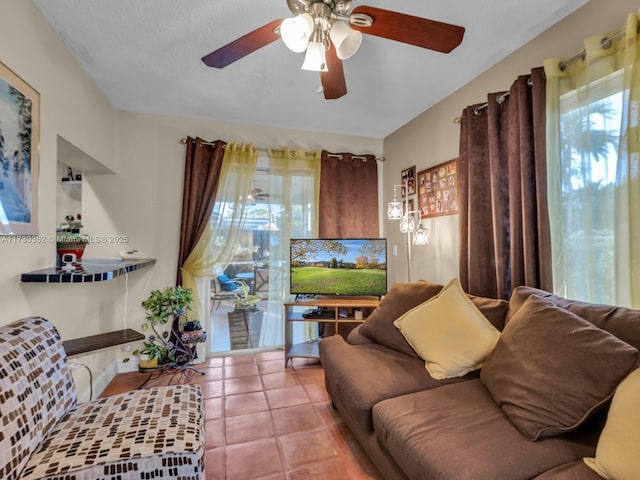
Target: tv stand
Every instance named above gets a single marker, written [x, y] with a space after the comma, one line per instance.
[332, 310]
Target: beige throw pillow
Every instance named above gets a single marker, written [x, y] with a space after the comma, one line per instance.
[401, 298]
[617, 451]
[449, 333]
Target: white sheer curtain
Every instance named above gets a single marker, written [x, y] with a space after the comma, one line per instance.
[593, 144]
[217, 244]
[294, 190]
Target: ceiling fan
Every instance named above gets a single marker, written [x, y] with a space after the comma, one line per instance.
[330, 34]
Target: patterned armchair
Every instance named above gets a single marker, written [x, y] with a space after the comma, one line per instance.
[46, 434]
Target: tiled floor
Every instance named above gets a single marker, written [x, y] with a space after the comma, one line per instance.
[265, 422]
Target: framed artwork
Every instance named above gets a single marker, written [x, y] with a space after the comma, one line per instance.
[438, 190]
[19, 154]
[411, 204]
[408, 175]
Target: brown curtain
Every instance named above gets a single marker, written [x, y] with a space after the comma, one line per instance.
[504, 224]
[203, 162]
[348, 205]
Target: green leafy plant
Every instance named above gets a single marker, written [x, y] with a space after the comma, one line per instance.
[163, 304]
[162, 351]
[245, 300]
[161, 307]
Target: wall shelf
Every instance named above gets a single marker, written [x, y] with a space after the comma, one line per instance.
[71, 184]
[92, 343]
[88, 271]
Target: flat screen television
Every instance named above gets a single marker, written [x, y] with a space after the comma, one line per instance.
[338, 266]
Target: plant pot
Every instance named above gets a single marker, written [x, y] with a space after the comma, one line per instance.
[147, 361]
[244, 328]
[72, 245]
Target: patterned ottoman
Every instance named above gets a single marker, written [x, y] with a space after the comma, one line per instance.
[45, 434]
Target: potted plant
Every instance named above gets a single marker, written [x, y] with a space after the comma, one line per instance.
[69, 239]
[246, 301]
[162, 307]
[245, 321]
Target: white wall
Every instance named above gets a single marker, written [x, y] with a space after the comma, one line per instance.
[433, 137]
[141, 200]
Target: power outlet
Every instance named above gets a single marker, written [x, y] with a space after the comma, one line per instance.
[394, 250]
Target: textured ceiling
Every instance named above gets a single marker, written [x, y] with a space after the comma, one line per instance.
[144, 55]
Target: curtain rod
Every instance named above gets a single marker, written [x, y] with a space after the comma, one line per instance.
[263, 149]
[605, 43]
[500, 99]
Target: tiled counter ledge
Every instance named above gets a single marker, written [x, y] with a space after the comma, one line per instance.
[88, 270]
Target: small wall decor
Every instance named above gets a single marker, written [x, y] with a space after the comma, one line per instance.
[408, 175]
[19, 159]
[411, 204]
[438, 190]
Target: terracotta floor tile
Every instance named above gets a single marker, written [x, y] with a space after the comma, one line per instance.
[214, 361]
[279, 380]
[271, 366]
[240, 359]
[240, 370]
[234, 386]
[307, 447]
[344, 439]
[275, 355]
[286, 397]
[352, 453]
[252, 460]
[298, 363]
[245, 403]
[214, 430]
[245, 428]
[332, 469]
[330, 415]
[301, 438]
[214, 461]
[207, 377]
[213, 408]
[211, 389]
[317, 393]
[296, 419]
[310, 375]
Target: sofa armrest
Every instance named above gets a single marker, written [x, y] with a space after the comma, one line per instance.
[356, 338]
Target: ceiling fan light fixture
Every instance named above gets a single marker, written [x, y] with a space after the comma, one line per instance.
[315, 58]
[345, 39]
[296, 32]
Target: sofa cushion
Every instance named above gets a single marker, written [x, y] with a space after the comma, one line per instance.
[123, 436]
[359, 376]
[576, 470]
[495, 309]
[400, 298]
[617, 451]
[449, 333]
[458, 432]
[622, 322]
[551, 369]
[36, 388]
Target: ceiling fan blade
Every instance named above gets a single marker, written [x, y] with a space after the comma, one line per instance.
[421, 32]
[243, 46]
[333, 82]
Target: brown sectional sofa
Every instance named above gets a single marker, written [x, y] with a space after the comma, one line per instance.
[462, 428]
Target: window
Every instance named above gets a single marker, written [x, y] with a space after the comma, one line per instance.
[590, 122]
